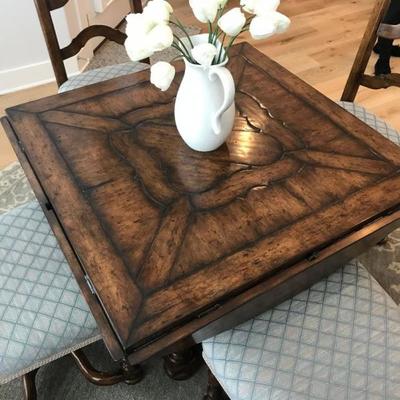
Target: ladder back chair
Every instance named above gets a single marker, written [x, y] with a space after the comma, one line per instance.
[43, 314]
[58, 54]
[375, 29]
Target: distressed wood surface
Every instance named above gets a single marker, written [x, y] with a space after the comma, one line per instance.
[165, 233]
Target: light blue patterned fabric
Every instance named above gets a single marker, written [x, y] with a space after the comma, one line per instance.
[101, 74]
[43, 315]
[338, 340]
[372, 120]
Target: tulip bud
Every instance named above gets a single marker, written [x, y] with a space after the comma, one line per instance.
[161, 75]
[205, 10]
[232, 22]
[204, 53]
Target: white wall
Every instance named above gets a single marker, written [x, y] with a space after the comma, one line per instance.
[24, 61]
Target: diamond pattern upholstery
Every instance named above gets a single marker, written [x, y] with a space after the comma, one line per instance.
[43, 315]
[101, 74]
[372, 120]
[338, 340]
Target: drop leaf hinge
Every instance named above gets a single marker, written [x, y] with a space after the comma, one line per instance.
[313, 256]
[90, 284]
[208, 310]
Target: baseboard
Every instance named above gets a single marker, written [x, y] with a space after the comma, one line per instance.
[27, 76]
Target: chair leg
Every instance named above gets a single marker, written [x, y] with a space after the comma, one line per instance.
[136, 6]
[364, 51]
[28, 381]
[214, 389]
[130, 374]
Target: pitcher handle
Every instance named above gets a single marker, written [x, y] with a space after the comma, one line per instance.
[228, 85]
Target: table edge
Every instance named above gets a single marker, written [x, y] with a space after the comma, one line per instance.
[105, 327]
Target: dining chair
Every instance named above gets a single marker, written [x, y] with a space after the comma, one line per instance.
[43, 315]
[58, 54]
[357, 76]
[340, 339]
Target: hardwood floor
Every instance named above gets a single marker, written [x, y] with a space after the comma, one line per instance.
[319, 47]
[7, 155]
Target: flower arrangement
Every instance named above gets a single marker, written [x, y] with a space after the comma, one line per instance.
[150, 32]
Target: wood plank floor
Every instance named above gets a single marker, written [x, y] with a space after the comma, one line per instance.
[319, 47]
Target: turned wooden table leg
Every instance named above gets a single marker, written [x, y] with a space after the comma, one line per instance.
[28, 382]
[214, 389]
[133, 374]
[184, 364]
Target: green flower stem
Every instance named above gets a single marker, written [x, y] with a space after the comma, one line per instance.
[218, 32]
[215, 28]
[248, 21]
[184, 53]
[182, 28]
[220, 49]
[177, 47]
[233, 38]
[245, 28]
[181, 43]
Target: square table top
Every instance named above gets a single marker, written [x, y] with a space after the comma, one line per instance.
[164, 233]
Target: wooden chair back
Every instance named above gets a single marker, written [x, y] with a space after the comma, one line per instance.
[357, 76]
[58, 54]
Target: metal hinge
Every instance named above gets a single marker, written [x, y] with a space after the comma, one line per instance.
[313, 256]
[205, 312]
[90, 284]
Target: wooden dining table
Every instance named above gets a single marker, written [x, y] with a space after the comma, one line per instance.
[171, 246]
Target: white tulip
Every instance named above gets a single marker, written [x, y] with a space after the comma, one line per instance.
[205, 10]
[158, 11]
[204, 53]
[232, 22]
[137, 49]
[262, 27]
[259, 7]
[268, 24]
[283, 22]
[162, 74]
[138, 25]
[159, 38]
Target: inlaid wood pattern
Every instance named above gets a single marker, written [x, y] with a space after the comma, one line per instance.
[164, 232]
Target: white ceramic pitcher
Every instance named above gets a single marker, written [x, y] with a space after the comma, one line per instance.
[204, 107]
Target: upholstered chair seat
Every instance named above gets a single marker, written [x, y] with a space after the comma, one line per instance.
[101, 74]
[372, 120]
[43, 315]
[338, 340]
